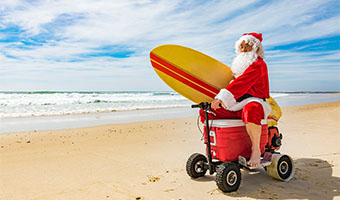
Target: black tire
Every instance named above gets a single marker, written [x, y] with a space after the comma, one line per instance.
[284, 167]
[195, 165]
[228, 177]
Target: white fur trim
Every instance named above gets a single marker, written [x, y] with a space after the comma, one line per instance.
[249, 37]
[226, 97]
[239, 105]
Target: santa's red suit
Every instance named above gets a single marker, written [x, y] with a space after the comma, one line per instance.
[244, 98]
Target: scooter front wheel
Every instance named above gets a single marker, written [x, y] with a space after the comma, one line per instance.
[196, 165]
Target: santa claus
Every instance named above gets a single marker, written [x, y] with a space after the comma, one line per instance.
[244, 98]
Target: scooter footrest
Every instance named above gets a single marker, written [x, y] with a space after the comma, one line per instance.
[242, 161]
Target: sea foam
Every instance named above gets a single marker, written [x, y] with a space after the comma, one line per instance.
[22, 104]
[26, 104]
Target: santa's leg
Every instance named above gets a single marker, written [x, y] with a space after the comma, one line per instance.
[254, 132]
[252, 113]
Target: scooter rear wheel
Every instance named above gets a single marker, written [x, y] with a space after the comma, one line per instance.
[281, 168]
[228, 177]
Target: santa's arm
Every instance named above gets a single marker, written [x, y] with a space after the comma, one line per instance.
[240, 85]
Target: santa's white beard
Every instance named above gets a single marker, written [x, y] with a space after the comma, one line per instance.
[242, 62]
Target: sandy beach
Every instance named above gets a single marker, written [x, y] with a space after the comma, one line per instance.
[146, 160]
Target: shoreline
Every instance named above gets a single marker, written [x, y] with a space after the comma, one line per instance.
[57, 122]
[146, 160]
[9, 125]
[89, 113]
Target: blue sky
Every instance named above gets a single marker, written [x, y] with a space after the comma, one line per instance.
[84, 45]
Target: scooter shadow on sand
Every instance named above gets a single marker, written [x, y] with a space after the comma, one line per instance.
[312, 180]
[312, 174]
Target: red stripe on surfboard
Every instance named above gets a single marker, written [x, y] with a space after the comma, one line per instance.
[181, 79]
[272, 118]
[183, 73]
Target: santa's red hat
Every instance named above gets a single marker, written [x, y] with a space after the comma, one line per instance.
[256, 35]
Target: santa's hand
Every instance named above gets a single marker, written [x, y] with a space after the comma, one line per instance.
[215, 104]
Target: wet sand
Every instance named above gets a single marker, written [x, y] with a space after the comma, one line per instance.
[146, 160]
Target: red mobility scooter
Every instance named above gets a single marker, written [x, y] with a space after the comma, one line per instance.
[228, 147]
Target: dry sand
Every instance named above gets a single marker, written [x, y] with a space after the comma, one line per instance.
[147, 161]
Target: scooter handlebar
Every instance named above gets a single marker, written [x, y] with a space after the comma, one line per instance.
[195, 106]
[203, 105]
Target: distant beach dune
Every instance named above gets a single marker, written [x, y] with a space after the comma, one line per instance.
[146, 160]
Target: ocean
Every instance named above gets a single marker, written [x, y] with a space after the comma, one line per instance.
[26, 104]
[28, 111]
[48, 103]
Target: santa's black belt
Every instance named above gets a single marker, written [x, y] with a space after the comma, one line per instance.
[246, 96]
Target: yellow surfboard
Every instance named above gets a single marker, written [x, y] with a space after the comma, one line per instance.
[192, 74]
[195, 75]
